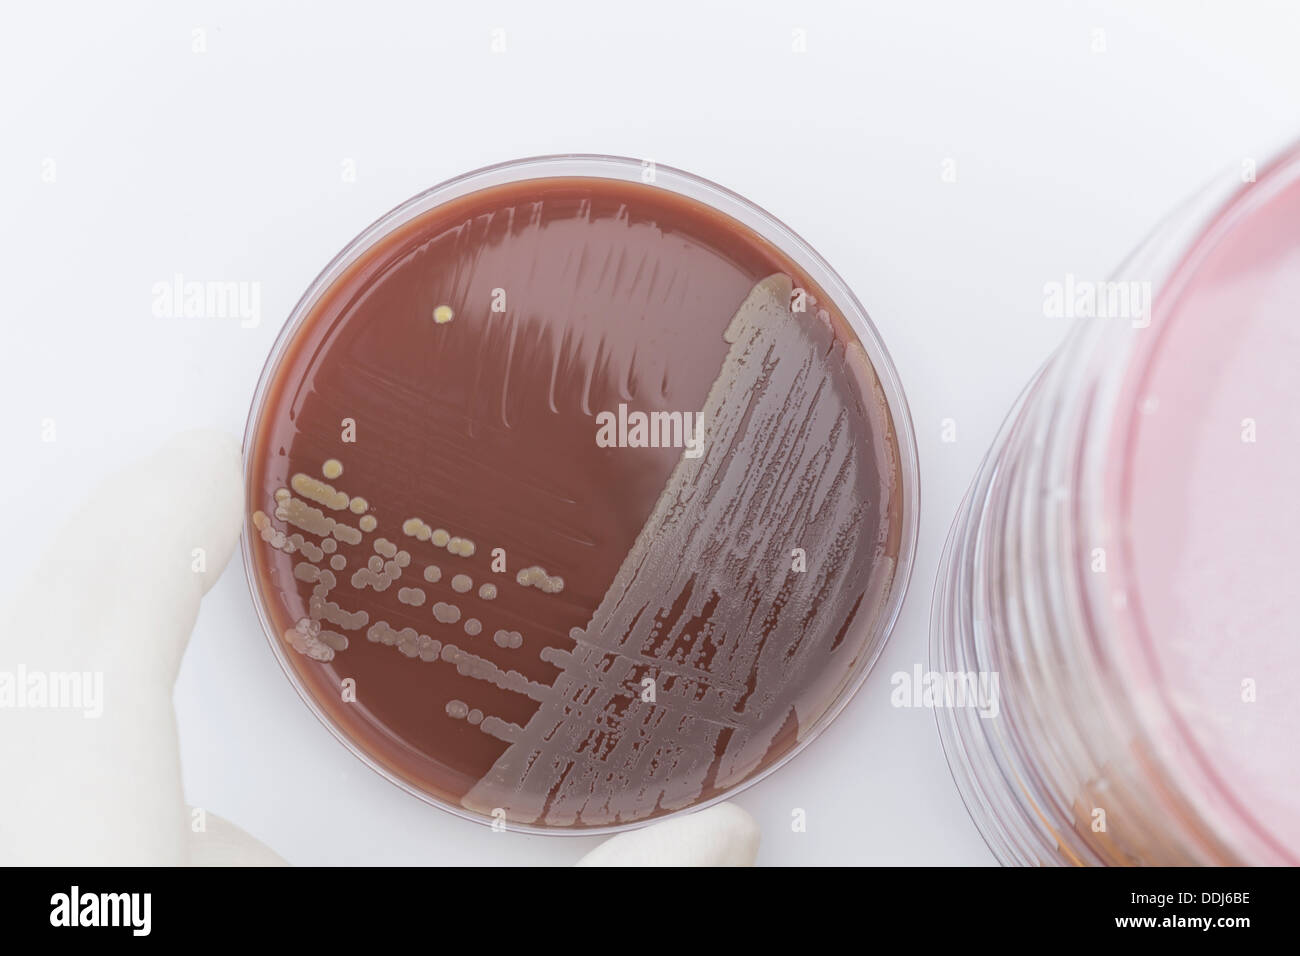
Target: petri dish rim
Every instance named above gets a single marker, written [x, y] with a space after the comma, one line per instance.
[732, 205]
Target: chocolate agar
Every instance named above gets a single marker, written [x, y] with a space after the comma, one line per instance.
[573, 502]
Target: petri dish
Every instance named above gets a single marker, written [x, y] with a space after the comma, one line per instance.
[580, 492]
[1124, 562]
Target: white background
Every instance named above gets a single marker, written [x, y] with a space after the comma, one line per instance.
[227, 164]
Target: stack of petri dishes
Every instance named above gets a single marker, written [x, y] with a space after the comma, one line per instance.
[1125, 561]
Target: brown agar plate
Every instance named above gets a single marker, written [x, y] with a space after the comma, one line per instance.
[579, 492]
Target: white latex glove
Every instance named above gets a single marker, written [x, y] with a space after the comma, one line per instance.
[117, 595]
[724, 835]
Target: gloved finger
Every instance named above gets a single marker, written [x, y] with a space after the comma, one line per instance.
[722, 835]
[93, 771]
[221, 843]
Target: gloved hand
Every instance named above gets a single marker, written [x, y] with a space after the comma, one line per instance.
[117, 595]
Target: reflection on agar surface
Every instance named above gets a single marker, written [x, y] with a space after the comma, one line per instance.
[574, 634]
